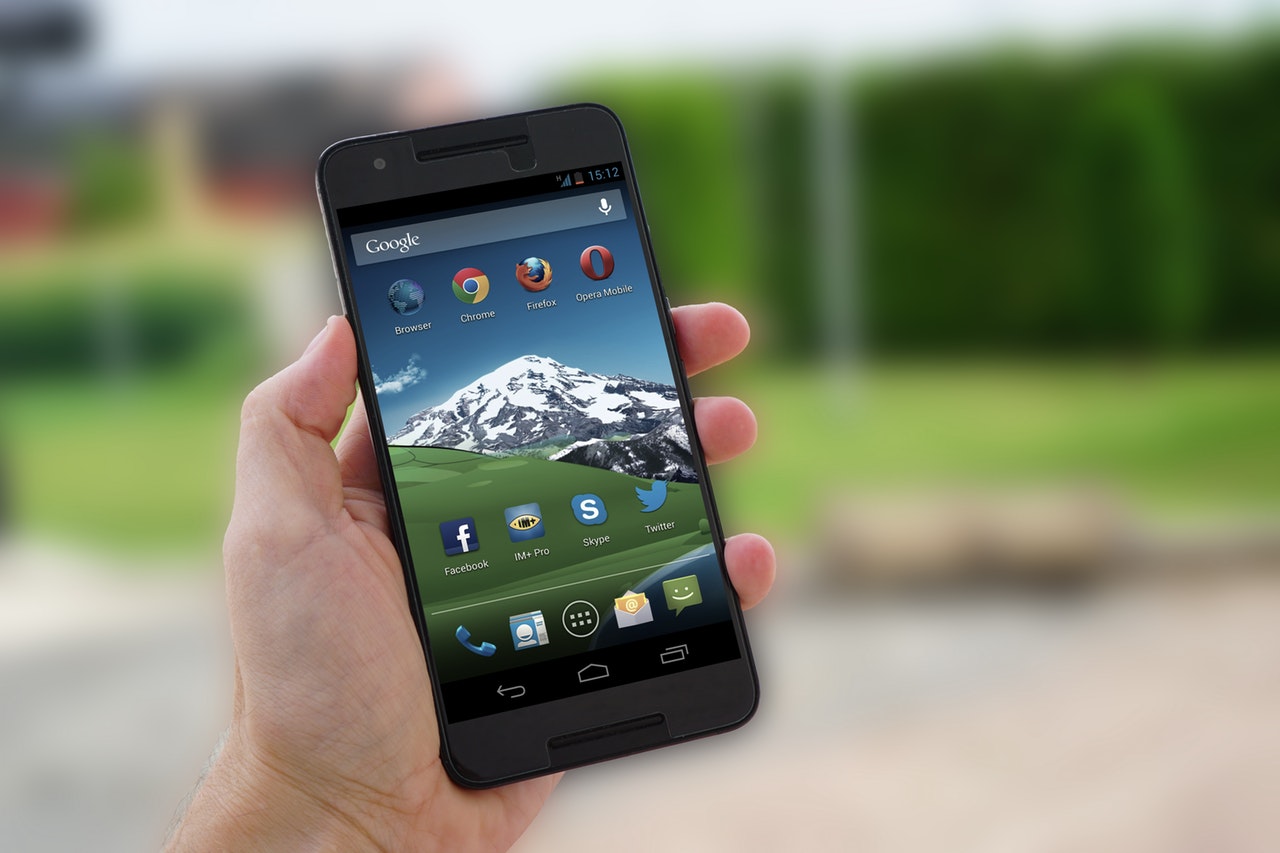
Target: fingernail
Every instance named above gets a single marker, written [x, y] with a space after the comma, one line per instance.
[315, 342]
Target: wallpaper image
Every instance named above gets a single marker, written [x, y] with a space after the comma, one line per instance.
[563, 367]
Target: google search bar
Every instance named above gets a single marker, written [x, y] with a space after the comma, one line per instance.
[491, 226]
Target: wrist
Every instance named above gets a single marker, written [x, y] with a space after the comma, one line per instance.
[244, 803]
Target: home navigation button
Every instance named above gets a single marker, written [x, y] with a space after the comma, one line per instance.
[593, 672]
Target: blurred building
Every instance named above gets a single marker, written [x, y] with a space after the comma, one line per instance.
[78, 153]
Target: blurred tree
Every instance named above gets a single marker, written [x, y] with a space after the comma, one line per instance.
[1121, 201]
[787, 267]
[113, 183]
[1237, 147]
[1135, 205]
[685, 132]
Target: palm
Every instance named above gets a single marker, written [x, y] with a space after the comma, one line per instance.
[329, 668]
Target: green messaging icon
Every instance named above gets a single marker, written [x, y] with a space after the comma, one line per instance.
[682, 592]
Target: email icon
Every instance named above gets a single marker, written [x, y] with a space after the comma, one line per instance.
[632, 609]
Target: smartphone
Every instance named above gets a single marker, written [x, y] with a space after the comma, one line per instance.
[563, 558]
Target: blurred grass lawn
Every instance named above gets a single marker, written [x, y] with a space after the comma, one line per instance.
[143, 463]
[1188, 438]
[149, 465]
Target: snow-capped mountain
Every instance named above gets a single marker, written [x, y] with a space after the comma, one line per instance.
[533, 403]
[660, 454]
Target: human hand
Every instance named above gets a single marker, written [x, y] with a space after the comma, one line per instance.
[333, 742]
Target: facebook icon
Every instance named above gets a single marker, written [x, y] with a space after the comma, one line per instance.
[459, 536]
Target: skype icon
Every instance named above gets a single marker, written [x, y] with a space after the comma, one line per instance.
[589, 509]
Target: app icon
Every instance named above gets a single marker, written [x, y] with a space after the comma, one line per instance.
[459, 536]
[589, 509]
[654, 497]
[682, 592]
[470, 285]
[588, 262]
[580, 618]
[533, 274]
[529, 630]
[524, 522]
[485, 650]
[632, 609]
[406, 297]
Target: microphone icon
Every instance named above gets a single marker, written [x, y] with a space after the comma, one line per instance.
[605, 207]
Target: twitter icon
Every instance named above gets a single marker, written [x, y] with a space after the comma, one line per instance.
[653, 498]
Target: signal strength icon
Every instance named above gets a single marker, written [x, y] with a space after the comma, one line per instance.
[566, 181]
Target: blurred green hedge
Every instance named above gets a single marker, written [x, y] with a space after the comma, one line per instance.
[1123, 201]
[74, 322]
[1126, 202]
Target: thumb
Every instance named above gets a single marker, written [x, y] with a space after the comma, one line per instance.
[285, 466]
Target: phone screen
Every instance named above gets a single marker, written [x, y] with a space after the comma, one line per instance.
[553, 508]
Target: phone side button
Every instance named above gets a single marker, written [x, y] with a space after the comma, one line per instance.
[593, 672]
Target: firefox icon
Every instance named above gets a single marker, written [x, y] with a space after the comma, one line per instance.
[533, 274]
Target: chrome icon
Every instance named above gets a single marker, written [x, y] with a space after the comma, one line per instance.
[470, 285]
[588, 262]
[533, 274]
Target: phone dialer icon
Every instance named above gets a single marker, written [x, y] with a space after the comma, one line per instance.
[485, 649]
[581, 618]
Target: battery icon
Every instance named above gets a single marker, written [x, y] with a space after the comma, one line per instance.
[577, 179]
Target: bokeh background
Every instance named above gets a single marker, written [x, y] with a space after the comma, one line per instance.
[1013, 271]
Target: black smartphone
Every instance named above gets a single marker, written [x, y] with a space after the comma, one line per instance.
[563, 557]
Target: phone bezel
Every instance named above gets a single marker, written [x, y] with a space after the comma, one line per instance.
[510, 745]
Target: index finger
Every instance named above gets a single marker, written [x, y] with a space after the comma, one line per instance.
[709, 334]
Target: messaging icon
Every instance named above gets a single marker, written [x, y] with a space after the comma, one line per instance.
[632, 609]
[682, 592]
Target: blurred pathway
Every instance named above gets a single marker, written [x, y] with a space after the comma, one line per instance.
[1137, 717]
[114, 685]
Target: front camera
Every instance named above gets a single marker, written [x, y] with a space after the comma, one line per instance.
[379, 163]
